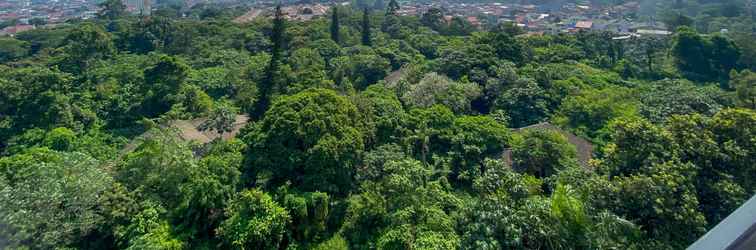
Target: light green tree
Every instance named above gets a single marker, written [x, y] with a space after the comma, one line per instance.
[50, 199]
[254, 221]
[745, 88]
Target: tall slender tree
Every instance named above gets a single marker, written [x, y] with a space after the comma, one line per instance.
[391, 23]
[265, 86]
[366, 28]
[335, 36]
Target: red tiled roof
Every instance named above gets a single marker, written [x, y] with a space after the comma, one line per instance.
[18, 28]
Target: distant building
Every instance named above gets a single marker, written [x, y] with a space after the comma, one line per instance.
[584, 25]
[653, 32]
[143, 7]
[304, 12]
[301, 12]
[474, 21]
[448, 19]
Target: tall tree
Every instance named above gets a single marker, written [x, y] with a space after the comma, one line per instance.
[266, 85]
[366, 28]
[391, 23]
[84, 45]
[111, 9]
[163, 82]
[724, 55]
[392, 8]
[434, 19]
[335, 36]
[311, 139]
[704, 58]
[690, 50]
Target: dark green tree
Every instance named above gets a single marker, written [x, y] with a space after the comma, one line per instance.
[112, 9]
[335, 30]
[366, 28]
[163, 83]
[84, 45]
[391, 22]
[208, 191]
[311, 139]
[525, 104]
[724, 55]
[384, 114]
[474, 139]
[12, 49]
[506, 44]
[272, 74]
[690, 50]
[434, 19]
[459, 26]
[392, 8]
[704, 58]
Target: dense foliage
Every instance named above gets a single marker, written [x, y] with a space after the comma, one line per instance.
[370, 130]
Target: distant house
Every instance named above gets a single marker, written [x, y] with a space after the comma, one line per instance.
[143, 7]
[448, 19]
[302, 12]
[584, 25]
[653, 32]
[583, 146]
[473, 20]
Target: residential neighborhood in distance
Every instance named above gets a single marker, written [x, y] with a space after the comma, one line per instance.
[552, 17]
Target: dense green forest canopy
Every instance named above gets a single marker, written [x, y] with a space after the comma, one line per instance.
[370, 130]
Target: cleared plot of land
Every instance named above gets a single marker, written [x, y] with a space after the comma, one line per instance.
[187, 130]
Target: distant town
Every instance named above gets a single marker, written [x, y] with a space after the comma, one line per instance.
[547, 18]
[22, 15]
